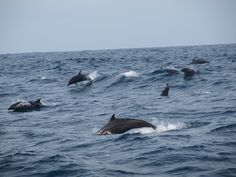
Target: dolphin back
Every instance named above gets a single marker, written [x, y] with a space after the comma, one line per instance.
[26, 106]
[118, 126]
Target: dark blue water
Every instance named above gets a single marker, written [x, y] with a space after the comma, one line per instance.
[196, 124]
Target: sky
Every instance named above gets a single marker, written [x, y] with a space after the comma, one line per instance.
[73, 25]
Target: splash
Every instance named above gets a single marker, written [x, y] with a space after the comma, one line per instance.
[93, 75]
[145, 130]
[167, 126]
[161, 126]
[130, 74]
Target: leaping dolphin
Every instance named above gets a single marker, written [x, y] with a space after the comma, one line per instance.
[26, 106]
[78, 78]
[118, 126]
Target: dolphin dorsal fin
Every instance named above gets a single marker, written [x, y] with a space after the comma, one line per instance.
[79, 72]
[38, 100]
[112, 117]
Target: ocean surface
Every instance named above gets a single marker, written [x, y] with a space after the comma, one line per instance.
[196, 124]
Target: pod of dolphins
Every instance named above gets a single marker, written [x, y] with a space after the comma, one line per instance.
[114, 125]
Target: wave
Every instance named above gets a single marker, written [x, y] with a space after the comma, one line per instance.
[130, 136]
[130, 74]
[197, 124]
[122, 172]
[225, 129]
[182, 170]
[225, 172]
[124, 77]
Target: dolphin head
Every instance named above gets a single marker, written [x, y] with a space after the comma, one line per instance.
[106, 132]
[13, 106]
[71, 81]
[106, 129]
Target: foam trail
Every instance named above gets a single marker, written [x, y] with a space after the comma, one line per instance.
[130, 74]
[161, 127]
[167, 126]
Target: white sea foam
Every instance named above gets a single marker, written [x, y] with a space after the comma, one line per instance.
[161, 126]
[145, 130]
[130, 74]
[167, 126]
[93, 75]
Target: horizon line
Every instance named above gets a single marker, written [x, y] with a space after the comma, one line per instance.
[82, 50]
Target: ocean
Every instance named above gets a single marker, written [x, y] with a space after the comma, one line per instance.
[196, 123]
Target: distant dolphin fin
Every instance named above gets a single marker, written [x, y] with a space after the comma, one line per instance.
[79, 72]
[112, 117]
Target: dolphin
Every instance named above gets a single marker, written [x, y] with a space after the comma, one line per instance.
[199, 61]
[165, 92]
[26, 106]
[188, 72]
[118, 126]
[78, 78]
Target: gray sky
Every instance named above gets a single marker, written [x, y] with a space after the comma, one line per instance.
[72, 25]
